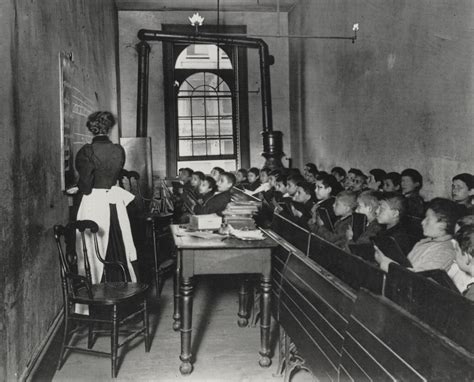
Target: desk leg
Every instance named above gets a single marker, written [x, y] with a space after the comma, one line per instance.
[243, 303]
[155, 258]
[176, 276]
[266, 286]
[186, 366]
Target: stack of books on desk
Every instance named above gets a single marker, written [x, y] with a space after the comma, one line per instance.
[240, 215]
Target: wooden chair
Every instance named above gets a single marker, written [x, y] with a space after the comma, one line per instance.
[118, 301]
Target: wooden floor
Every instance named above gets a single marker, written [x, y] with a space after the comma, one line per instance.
[222, 351]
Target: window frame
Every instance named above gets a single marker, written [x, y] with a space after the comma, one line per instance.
[237, 79]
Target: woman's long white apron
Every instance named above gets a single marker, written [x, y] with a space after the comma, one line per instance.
[95, 206]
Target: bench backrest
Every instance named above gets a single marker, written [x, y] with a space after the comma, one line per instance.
[314, 312]
[291, 232]
[349, 268]
[384, 342]
[280, 256]
[446, 311]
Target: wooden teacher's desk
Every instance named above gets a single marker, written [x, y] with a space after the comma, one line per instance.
[197, 256]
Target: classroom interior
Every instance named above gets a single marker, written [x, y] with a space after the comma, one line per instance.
[401, 95]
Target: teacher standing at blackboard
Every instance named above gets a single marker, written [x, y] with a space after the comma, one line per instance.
[99, 165]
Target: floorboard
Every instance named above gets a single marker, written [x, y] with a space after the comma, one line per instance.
[222, 351]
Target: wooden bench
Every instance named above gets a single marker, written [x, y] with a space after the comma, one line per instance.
[446, 311]
[383, 342]
[291, 232]
[352, 270]
[337, 325]
[314, 309]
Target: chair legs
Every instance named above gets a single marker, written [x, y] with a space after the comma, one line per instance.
[114, 341]
[65, 339]
[146, 325]
[114, 338]
[90, 336]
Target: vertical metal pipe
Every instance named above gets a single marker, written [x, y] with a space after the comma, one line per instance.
[267, 119]
[143, 49]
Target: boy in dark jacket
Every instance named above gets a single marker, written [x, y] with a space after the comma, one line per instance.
[392, 209]
[346, 202]
[218, 202]
[411, 183]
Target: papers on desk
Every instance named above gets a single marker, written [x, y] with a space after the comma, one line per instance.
[207, 235]
[254, 234]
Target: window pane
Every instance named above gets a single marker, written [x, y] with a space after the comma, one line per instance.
[203, 56]
[211, 79]
[213, 147]
[212, 106]
[226, 126]
[225, 106]
[184, 107]
[227, 146]
[184, 127]
[223, 87]
[199, 127]
[198, 106]
[212, 127]
[185, 88]
[199, 147]
[196, 80]
[185, 147]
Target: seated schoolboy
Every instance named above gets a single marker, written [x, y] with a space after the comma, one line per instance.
[272, 193]
[311, 176]
[349, 181]
[390, 213]
[185, 175]
[303, 202]
[218, 202]
[309, 168]
[411, 183]
[436, 251]
[264, 182]
[241, 177]
[376, 177]
[340, 174]
[462, 270]
[462, 191]
[292, 184]
[196, 179]
[359, 183]
[216, 172]
[464, 221]
[391, 182]
[327, 187]
[185, 193]
[281, 189]
[253, 177]
[207, 187]
[367, 204]
[344, 205]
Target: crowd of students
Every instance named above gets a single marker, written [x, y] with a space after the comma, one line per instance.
[354, 210]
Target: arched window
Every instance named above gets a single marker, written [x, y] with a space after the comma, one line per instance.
[206, 132]
[206, 102]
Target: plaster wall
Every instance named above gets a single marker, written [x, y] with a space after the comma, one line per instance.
[401, 96]
[33, 32]
[262, 23]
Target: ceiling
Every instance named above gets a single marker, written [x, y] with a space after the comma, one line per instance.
[205, 5]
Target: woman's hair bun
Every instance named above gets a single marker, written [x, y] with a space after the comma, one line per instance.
[100, 122]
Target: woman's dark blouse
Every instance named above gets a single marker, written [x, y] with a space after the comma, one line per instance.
[99, 164]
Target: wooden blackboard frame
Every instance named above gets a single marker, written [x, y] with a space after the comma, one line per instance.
[75, 106]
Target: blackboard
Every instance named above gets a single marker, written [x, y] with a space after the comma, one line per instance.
[75, 106]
